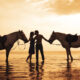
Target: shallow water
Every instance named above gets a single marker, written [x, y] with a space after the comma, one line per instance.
[55, 67]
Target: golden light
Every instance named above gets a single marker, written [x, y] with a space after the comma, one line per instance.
[44, 15]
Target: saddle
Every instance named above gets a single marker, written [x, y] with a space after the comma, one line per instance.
[3, 40]
[71, 38]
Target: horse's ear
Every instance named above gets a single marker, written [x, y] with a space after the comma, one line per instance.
[19, 30]
[22, 31]
[53, 32]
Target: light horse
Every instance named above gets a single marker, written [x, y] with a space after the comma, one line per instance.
[10, 40]
[61, 37]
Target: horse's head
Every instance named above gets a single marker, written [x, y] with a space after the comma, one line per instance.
[52, 38]
[22, 36]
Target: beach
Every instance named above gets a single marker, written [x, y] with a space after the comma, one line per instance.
[55, 67]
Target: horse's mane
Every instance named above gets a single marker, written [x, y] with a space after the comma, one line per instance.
[64, 33]
[13, 33]
[60, 33]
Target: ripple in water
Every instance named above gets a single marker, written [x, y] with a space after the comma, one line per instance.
[55, 67]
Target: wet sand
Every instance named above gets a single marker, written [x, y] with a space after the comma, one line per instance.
[55, 67]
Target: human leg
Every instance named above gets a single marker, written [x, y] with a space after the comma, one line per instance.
[42, 52]
[37, 50]
[28, 57]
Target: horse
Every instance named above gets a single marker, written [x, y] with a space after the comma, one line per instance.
[61, 37]
[10, 40]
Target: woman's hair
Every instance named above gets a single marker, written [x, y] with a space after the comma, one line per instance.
[31, 34]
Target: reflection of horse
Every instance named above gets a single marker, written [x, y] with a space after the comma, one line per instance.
[6, 71]
[62, 38]
[10, 40]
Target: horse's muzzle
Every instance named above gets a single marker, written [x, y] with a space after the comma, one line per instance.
[50, 41]
[26, 41]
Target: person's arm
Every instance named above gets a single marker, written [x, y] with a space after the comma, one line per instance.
[44, 38]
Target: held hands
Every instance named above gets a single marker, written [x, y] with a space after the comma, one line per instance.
[50, 41]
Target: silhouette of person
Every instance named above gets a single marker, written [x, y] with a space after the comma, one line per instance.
[38, 38]
[31, 48]
[38, 69]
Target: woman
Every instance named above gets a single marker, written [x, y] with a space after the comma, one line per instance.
[31, 48]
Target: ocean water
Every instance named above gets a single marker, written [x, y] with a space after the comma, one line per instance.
[55, 67]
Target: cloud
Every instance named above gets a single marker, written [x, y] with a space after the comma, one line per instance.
[64, 6]
[20, 12]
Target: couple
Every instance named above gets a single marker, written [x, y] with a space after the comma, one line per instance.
[38, 40]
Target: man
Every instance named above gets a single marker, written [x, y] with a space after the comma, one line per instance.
[39, 45]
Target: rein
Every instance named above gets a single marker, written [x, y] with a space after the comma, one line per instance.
[21, 44]
[18, 43]
[57, 44]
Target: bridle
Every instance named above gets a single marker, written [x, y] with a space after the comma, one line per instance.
[18, 43]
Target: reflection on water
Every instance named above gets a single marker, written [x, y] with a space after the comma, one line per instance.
[36, 71]
[55, 67]
[6, 71]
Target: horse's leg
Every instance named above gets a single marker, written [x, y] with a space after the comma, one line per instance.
[7, 54]
[67, 52]
[70, 55]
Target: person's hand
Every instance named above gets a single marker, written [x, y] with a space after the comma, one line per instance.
[49, 41]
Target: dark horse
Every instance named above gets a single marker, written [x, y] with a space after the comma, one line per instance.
[65, 44]
[10, 40]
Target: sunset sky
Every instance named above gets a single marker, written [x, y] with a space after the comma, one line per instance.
[42, 15]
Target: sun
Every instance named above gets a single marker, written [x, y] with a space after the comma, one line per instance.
[70, 0]
[46, 0]
[28, 0]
